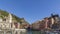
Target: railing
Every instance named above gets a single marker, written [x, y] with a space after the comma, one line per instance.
[4, 32]
[15, 31]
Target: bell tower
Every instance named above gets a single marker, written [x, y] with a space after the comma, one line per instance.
[10, 18]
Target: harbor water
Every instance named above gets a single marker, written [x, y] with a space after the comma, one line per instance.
[32, 32]
[43, 32]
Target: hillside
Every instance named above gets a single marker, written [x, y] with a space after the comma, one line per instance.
[5, 13]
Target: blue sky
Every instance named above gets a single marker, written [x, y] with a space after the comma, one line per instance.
[31, 10]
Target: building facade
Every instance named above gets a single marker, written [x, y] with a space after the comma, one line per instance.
[7, 23]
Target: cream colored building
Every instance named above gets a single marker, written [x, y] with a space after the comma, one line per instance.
[8, 26]
[7, 23]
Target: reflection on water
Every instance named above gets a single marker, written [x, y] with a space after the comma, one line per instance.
[40, 32]
[33, 32]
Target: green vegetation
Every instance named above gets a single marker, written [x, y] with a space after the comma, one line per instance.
[4, 13]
